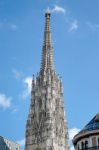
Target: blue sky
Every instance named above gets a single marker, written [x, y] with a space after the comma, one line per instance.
[75, 33]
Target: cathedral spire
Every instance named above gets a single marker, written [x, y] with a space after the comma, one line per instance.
[47, 51]
[46, 127]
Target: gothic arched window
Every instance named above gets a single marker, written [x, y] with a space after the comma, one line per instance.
[40, 103]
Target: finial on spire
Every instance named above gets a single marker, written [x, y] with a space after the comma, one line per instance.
[48, 13]
[48, 10]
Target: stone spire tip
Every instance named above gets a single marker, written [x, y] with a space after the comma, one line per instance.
[47, 51]
[48, 12]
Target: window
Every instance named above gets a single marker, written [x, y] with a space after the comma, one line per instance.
[37, 148]
[78, 147]
[40, 103]
[98, 141]
[86, 144]
[93, 141]
[82, 145]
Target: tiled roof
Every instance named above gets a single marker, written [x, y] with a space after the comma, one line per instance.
[92, 125]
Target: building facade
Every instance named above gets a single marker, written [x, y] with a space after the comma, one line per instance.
[6, 144]
[88, 138]
[46, 127]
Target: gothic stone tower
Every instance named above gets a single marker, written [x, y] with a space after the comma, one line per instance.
[46, 127]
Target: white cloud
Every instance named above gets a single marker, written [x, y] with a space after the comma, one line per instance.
[13, 26]
[15, 110]
[17, 74]
[1, 24]
[57, 9]
[94, 27]
[27, 87]
[21, 142]
[73, 26]
[5, 102]
[6, 24]
[72, 133]
[72, 147]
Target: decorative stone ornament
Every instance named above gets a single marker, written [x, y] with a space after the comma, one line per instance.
[46, 127]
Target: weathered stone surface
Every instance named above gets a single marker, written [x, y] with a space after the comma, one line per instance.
[46, 127]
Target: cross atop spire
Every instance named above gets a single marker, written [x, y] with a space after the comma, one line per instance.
[47, 51]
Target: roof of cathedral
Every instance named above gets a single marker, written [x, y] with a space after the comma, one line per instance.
[92, 125]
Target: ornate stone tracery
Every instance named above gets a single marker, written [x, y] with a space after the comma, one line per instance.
[46, 127]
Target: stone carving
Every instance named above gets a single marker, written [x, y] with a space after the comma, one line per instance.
[46, 127]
